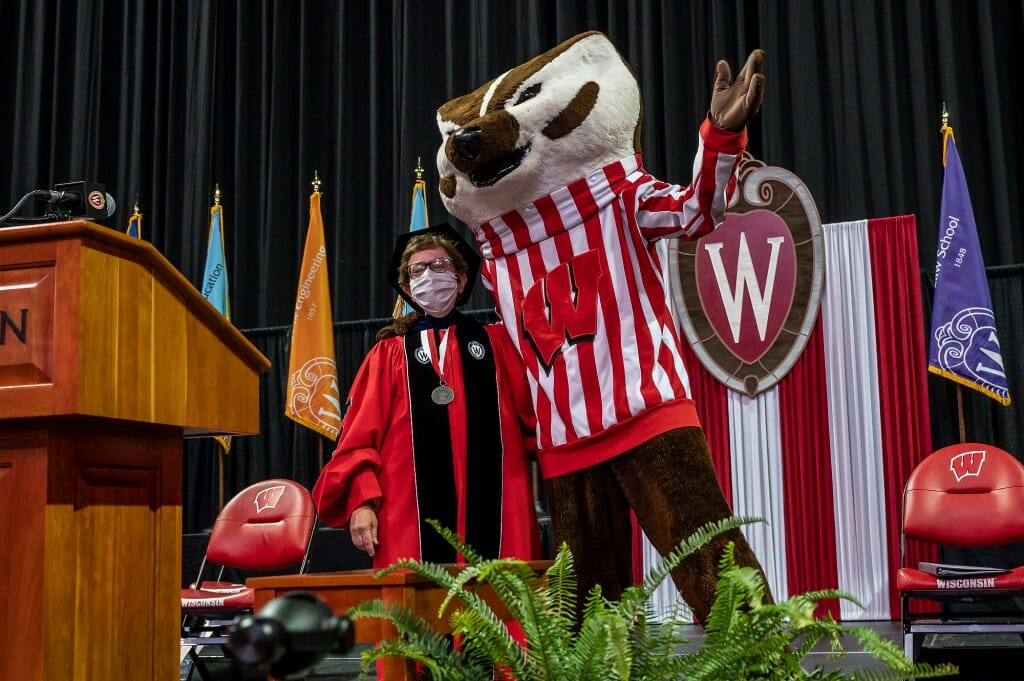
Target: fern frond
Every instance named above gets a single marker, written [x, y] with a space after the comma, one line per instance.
[655, 655]
[465, 576]
[405, 622]
[714, 662]
[432, 571]
[471, 556]
[489, 644]
[619, 654]
[893, 656]
[690, 545]
[561, 580]
[441, 666]
[549, 636]
[725, 610]
[667, 636]
[417, 641]
[588, 655]
[912, 671]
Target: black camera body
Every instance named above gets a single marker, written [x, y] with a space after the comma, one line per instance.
[288, 636]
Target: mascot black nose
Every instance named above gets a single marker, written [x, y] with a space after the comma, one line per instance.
[467, 143]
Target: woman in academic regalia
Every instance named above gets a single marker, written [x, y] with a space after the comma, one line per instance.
[435, 423]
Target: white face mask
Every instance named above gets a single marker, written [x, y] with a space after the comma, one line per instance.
[435, 292]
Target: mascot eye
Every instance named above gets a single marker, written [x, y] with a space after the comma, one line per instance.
[528, 93]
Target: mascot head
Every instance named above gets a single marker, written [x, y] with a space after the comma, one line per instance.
[536, 128]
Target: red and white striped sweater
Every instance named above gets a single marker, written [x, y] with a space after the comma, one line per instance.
[579, 280]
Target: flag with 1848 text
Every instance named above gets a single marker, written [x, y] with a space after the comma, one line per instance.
[964, 346]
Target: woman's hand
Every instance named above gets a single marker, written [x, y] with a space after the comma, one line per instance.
[363, 528]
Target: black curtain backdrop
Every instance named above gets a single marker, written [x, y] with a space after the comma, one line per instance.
[163, 100]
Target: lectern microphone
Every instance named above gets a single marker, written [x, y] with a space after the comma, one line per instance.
[64, 202]
[80, 200]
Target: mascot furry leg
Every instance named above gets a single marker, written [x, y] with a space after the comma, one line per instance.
[671, 485]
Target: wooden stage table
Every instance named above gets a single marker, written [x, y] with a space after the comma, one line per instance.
[344, 590]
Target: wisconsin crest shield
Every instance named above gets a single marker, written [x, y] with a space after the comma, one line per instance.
[747, 295]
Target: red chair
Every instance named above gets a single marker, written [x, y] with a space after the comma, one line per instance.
[969, 496]
[267, 527]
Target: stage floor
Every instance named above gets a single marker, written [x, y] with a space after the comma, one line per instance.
[981, 657]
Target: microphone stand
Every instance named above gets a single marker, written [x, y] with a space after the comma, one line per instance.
[34, 194]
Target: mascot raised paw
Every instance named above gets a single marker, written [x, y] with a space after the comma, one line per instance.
[544, 164]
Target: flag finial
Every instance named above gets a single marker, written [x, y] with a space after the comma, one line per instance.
[418, 169]
[216, 194]
[316, 181]
[136, 207]
[947, 133]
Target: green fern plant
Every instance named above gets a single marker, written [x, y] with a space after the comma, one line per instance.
[750, 639]
[747, 638]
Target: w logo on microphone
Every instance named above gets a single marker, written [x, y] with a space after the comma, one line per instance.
[561, 308]
[268, 498]
[967, 464]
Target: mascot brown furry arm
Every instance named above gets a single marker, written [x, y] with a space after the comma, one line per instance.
[544, 164]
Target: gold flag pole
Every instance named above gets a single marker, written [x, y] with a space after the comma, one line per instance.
[136, 218]
[947, 132]
[399, 310]
[320, 440]
[220, 459]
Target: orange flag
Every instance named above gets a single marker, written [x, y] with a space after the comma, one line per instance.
[313, 399]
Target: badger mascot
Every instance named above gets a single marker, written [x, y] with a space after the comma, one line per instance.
[544, 164]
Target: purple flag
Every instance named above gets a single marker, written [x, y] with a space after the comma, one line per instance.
[964, 345]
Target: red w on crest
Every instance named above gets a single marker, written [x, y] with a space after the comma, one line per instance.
[561, 308]
[268, 498]
[967, 463]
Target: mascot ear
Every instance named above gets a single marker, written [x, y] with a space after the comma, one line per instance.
[733, 103]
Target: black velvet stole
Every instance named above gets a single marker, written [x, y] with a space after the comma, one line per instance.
[432, 446]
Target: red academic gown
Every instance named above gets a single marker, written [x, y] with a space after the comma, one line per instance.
[374, 462]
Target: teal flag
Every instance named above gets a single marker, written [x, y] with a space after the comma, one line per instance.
[215, 275]
[419, 207]
[135, 225]
[418, 220]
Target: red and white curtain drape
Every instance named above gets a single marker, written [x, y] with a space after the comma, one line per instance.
[824, 454]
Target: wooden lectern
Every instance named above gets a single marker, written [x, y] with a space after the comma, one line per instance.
[108, 358]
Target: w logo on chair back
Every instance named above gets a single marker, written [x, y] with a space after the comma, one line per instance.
[967, 463]
[268, 497]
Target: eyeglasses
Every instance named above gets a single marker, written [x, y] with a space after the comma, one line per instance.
[415, 269]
